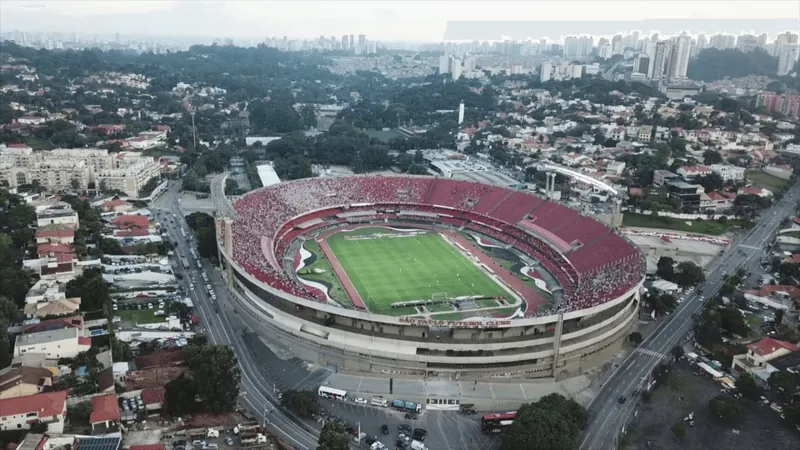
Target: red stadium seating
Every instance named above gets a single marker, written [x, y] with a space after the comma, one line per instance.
[602, 266]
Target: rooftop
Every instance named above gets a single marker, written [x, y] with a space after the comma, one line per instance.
[47, 405]
[769, 345]
[105, 408]
[45, 337]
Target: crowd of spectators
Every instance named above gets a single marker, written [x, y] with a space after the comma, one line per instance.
[601, 265]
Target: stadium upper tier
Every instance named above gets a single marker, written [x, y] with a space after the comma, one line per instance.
[591, 262]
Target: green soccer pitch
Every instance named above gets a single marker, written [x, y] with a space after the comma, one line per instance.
[386, 270]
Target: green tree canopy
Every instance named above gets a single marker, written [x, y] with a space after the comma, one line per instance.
[303, 403]
[713, 64]
[689, 274]
[726, 410]
[333, 437]
[553, 423]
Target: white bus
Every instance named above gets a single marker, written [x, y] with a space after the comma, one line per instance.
[331, 393]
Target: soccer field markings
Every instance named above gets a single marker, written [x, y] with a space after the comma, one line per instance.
[424, 249]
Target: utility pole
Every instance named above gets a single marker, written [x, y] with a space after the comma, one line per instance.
[194, 131]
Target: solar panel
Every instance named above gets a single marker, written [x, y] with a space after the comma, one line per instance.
[102, 443]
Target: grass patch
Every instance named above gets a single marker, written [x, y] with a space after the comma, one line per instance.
[753, 320]
[669, 223]
[336, 290]
[391, 269]
[384, 135]
[141, 315]
[767, 181]
[487, 303]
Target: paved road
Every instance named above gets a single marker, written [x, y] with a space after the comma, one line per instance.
[607, 415]
[257, 390]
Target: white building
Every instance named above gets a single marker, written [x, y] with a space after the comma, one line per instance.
[20, 413]
[62, 217]
[61, 169]
[728, 172]
[54, 344]
[130, 176]
[545, 71]
[787, 58]
[444, 64]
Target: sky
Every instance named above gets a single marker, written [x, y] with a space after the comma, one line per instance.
[410, 20]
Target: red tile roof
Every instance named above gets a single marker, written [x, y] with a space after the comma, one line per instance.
[47, 405]
[114, 203]
[55, 324]
[768, 345]
[65, 257]
[104, 408]
[147, 447]
[55, 233]
[131, 233]
[153, 396]
[84, 340]
[48, 248]
[768, 289]
[130, 220]
[716, 196]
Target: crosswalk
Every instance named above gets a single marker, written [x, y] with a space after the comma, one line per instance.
[649, 352]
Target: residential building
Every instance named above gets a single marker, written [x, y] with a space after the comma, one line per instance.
[662, 176]
[31, 120]
[56, 236]
[130, 176]
[644, 133]
[19, 413]
[728, 172]
[715, 201]
[54, 344]
[687, 195]
[61, 169]
[679, 57]
[660, 61]
[693, 172]
[105, 415]
[545, 72]
[21, 381]
[787, 58]
[57, 217]
[641, 64]
[759, 355]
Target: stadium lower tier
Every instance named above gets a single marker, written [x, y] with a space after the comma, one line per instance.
[557, 346]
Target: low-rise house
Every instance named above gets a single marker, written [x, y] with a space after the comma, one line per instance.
[692, 172]
[776, 296]
[728, 172]
[662, 176]
[757, 360]
[55, 344]
[21, 381]
[19, 413]
[63, 236]
[105, 416]
[62, 217]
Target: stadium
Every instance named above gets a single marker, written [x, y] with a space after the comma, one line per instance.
[425, 276]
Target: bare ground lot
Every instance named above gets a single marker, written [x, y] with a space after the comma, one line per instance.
[686, 392]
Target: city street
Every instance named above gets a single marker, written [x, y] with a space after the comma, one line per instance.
[607, 415]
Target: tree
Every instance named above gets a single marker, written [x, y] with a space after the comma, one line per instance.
[180, 397]
[689, 274]
[636, 337]
[552, 423]
[333, 437]
[665, 268]
[75, 184]
[302, 403]
[712, 182]
[231, 186]
[747, 386]
[712, 157]
[216, 373]
[713, 64]
[732, 319]
[207, 242]
[92, 290]
[726, 410]
[784, 382]
[80, 412]
[679, 429]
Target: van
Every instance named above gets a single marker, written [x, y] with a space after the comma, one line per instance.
[212, 433]
[360, 437]
[379, 401]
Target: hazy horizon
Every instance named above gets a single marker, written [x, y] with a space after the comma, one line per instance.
[410, 21]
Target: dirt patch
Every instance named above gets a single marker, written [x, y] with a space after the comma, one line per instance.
[684, 393]
[151, 378]
[210, 420]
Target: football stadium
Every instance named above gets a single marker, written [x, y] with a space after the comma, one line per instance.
[428, 276]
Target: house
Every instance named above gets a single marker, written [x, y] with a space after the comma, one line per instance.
[54, 344]
[615, 167]
[118, 205]
[662, 176]
[715, 200]
[728, 172]
[105, 415]
[64, 217]
[31, 120]
[761, 192]
[644, 133]
[692, 172]
[19, 413]
[153, 399]
[774, 295]
[64, 236]
[21, 381]
[758, 357]
[618, 134]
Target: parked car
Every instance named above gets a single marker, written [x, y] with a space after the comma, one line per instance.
[385, 429]
[420, 434]
[404, 428]
[361, 401]
[198, 443]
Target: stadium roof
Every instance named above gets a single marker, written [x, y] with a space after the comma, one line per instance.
[267, 174]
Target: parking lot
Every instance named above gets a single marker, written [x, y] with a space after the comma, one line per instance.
[446, 430]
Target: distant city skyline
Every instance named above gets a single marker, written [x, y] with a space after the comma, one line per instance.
[410, 21]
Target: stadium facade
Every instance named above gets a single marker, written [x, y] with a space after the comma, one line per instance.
[599, 274]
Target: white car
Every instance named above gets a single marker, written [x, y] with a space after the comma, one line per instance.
[198, 443]
[361, 401]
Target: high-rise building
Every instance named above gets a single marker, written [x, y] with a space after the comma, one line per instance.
[679, 57]
[654, 37]
[469, 64]
[455, 67]
[351, 46]
[660, 60]
[345, 43]
[722, 41]
[444, 64]
[362, 43]
[578, 47]
[606, 51]
[781, 40]
[762, 40]
[641, 64]
[746, 43]
[702, 42]
[461, 113]
[787, 58]
[545, 71]
[543, 46]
